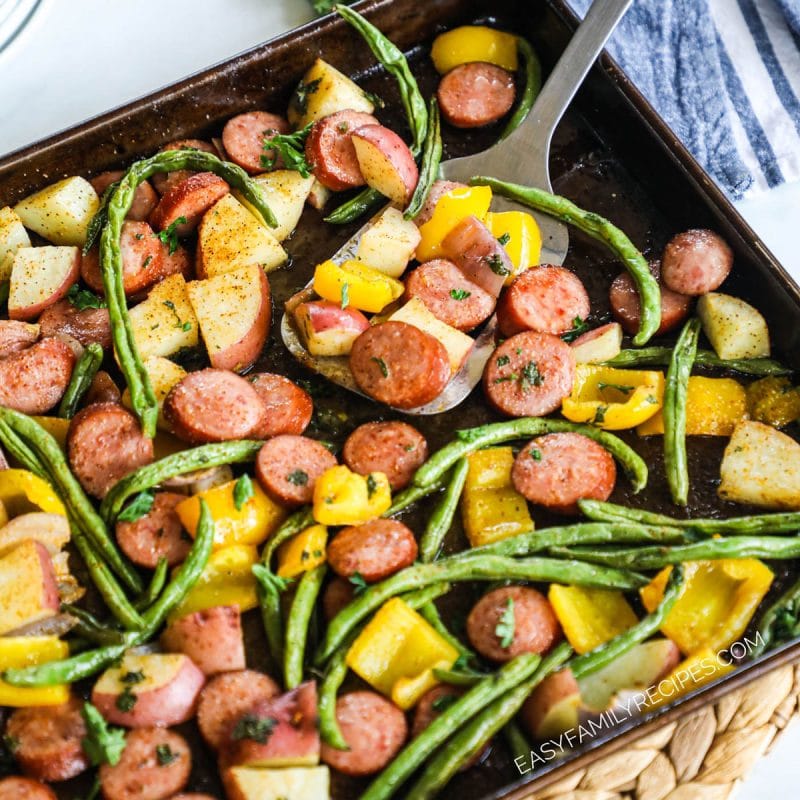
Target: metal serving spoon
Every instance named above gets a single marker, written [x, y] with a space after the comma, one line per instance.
[523, 157]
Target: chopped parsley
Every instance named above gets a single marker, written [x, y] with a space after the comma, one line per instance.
[179, 323]
[530, 376]
[652, 399]
[443, 702]
[377, 101]
[126, 700]
[303, 92]
[169, 236]
[345, 295]
[83, 298]
[298, 478]
[460, 294]
[164, 755]
[132, 678]
[502, 361]
[102, 744]
[343, 127]
[536, 454]
[242, 492]
[504, 239]
[496, 264]
[255, 728]
[146, 262]
[382, 366]
[289, 148]
[600, 415]
[138, 507]
[579, 326]
[372, 485]
[357, 579]
[505, 628]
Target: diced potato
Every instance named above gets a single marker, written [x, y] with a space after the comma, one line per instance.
[230, 237]
[598, 345]
[352, 283]
[286, 191]
[12, 236]
[165, 322]
[457, 343]
[734, 328]
[60, 213]
[164, 374]
[761, 467]
[297, 783]
[319, 195]
[52, 530]
[324, 91]
[28, 590]
[40, 277]
[389, 243]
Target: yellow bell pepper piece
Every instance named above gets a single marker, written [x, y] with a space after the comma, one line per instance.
[714, 407]
[28, 651]
[227, 580]
[455, 205]
[397, 651]
[474, 43]
[57, 428]
[491, 509]
[368, 289]
[303, 552]
[613, 399]
[523, 239]
[716, 604]
[22, 491]
[254, 522]
[692, 673]
[342, 497]
[590, 617]
[3, 514]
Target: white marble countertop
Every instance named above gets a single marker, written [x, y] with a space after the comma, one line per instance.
[78, 58]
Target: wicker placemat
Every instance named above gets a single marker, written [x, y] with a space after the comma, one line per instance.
[703, 757]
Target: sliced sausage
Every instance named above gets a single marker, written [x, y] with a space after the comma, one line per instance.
[48, 741]
[547, 299]
[225, 698]
[529, 374]
[105, 443]
[535, 628]
[158, 534]
[16, 336]
[143, 772]
[394, 448]
[437, 191]
[190, 199]
[213, 405]
[243, 138]
[624, 300]
[179, 261]
[337, 594]
[34, 380]
[696, 262]
[87, 325]
[102, 390]
[330, 150]
[400, 365]
[145, 198]
[449, 295]
[374, 729]
[287, 467]
[289, 408]
[475, 94]
[554, 687]
[15, 788]
[374, 550]
[471, 246]
[559, 469]
[164, 181]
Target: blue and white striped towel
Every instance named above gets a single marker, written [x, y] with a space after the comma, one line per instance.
[725, 75]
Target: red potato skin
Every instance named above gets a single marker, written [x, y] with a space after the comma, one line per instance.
[536, 627]
[437, 190]
[49, 741]
[696, 262]
[591, 335]
[34, 380]
[396, 156]
[145, 198]
[475, 94]
[88, 326]
[211, 638]
[550, 691]
[289, 408]
[164, 181]
[102, 390]
[32, 312]
[243, 138]
[375, 550]
[16, 788]
[483, 260]
[322, 315]
[16, 336]
[190, 199]
[286, 455]
[337, 594]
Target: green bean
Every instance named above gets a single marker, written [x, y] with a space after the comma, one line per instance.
[673, 410]
[290, 527]
[196, 458]
[430, 613]
[468, 569]
[153, 590]
[660, 357]
[598, 228]
[82, 377]
[431, 159]
[533, 85]
[89, 627]
[411, 494]
[780, 622]
[441, 518]
[516, 741]
[364, 202]
[463, 708]
[471, 439]
[297, 624]
[472, 737]
[458, 677]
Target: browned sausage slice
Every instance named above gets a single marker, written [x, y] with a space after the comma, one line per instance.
[156, 535]
[87, 325]
[559, 469]
[330, 150]
[190, 199]
[394, 448]
[143, 772]
[400, 365]
[243, 138]
[289, 408]
[475, 94]
[34, 380]
[48, 741]
[374, 728]
[213, 405]
[437, 190]
[536, 627]
[102, 390]
[16, 336]
[145, 198]
[105, 443]
[548, 299]
[474, 250]
[226, 697]
[338, 593]
[180, 261]
[374, 550]
[449, 295]
[696, 262]
[288, 466]
[529, 374]
[164, 181]
[15, 788]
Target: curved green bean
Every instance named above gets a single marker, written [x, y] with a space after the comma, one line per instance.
[516, 741]
[82, 376]
[660, 357]
[297, 624]
[289, 528]
[157, 582]
[472, 439]
[441, 518]
[780, 622]
[431, 159]
[411, 495]
[458, 677]
[364, 202]
[676, 386]
[533, 85]
[598, 228]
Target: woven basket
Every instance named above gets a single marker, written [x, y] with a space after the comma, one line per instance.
[705, 756]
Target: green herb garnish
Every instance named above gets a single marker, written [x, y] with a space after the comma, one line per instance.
[242, 492]
[504, 630]
[83, 298]
[141, 505]
[290, 149]
[382, 366]
[102, 744]
[460, 294]
[357, 579]
[169, 236]
[258, 729]
[298, 477]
